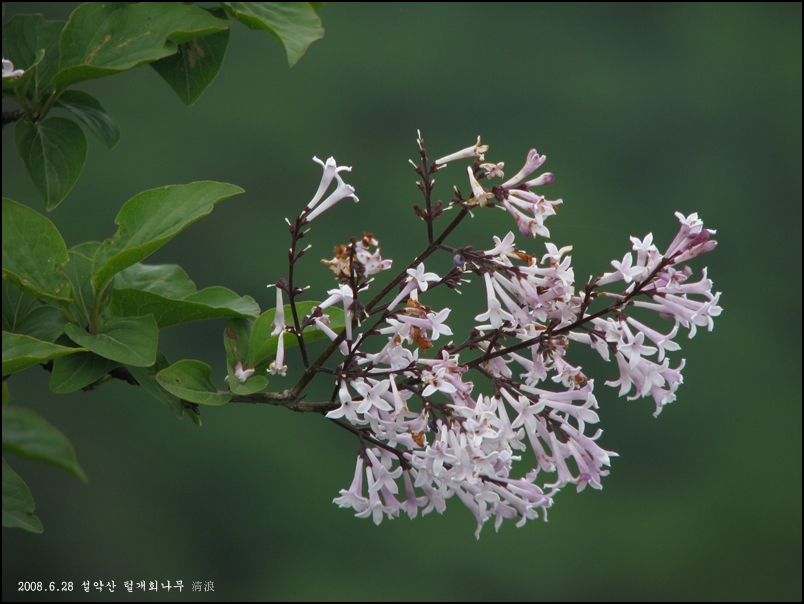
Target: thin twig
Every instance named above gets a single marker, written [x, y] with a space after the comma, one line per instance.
[313, 369]
[286, 398]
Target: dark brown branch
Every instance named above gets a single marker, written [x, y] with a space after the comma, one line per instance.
[364, 435]
[286, 398]
[9, 117]
[297, 232]
[313, 369]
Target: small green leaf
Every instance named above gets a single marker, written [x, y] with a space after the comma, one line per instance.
[294, 24]
[92, 114]
[32, 44]
[17, 87]
[255, 383]
[6, 395]
[190, 381]
[146, 378]
[102, 39]
[317, 6]
[79, 272]
[195, 417]
[131, 340]
[151, 219]
[168, 280]
[44, 323]
[34, 253]
[21, 352]
[53, 151]
[235, 342]
[196, 64]
[220, 297]
[211, 303]
[262, 344]
[18, 505]
[29, 435]
[16, 304]
[73, 372]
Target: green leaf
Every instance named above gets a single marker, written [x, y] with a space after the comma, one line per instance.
[17, 87]
[294, 24]
[53, 151]
[16, 305]
[79, 272]
[6, 395]
[102, 39]
[195, 65]
[18, 505]
[211, 303]
[235, 341]
[29, 435]
[195, 417]
[190, 381]
[34, 253]
[151, 219]
[43, 323]
[32, 44]
[73, 372]
[262, 344]
[220, 297]
[168, 280]
[21, 352]
[317, 6]
[146, 378]
[255, 383]
[131, 340]
[92, 114]
[158, 290]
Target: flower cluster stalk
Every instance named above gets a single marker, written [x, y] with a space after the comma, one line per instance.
[424, 434]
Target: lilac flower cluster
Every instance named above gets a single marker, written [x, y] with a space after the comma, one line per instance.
[425, 433]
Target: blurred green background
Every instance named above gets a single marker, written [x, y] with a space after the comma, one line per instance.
[642, 110]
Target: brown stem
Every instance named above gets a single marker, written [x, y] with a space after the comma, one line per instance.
[297, 233]
[313, 369]
[363, 435]
[286, 398]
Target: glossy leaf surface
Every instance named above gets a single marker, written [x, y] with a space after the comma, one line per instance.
[34, 253]
[102, 39]
[18, 505]
[130, 340]
[195, 65]
[29, 435]
[54, 151]
[190, 380]
[151, 219]
[76, 371]
[92, 114]
[294, 24]
[21, 352]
